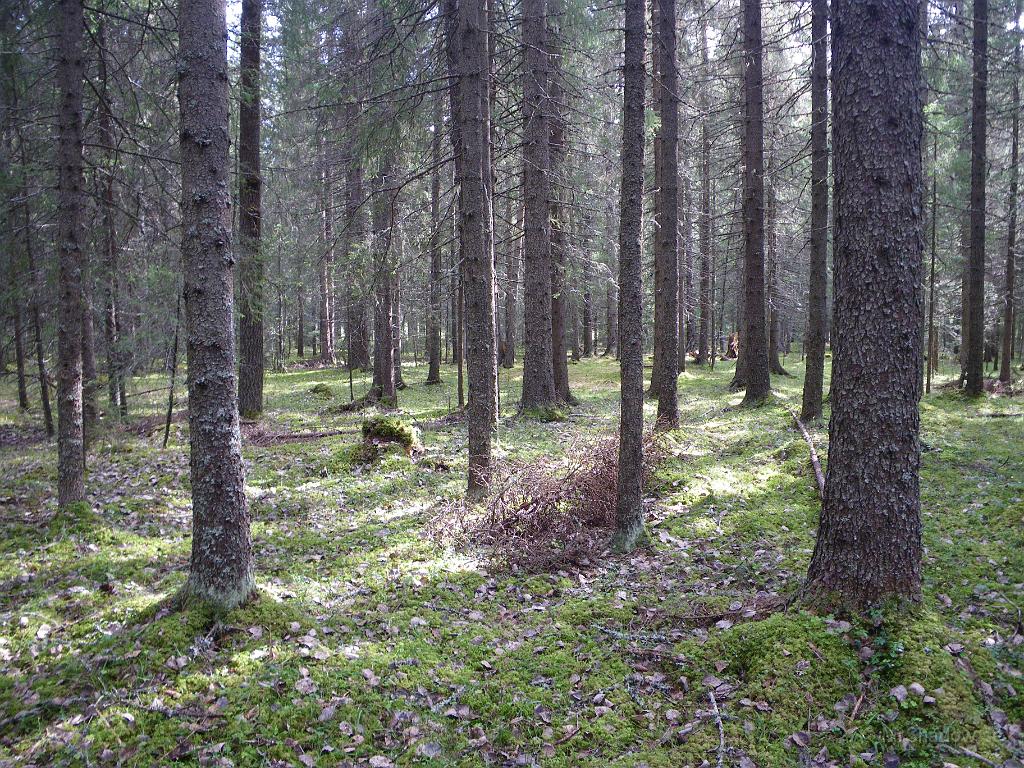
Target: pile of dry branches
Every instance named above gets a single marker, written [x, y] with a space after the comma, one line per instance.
[541, 517]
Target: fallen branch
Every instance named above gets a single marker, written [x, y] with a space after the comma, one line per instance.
[964, 752]
[818, 474]
[721, 729]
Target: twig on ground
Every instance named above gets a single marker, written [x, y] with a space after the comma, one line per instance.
[721, 728]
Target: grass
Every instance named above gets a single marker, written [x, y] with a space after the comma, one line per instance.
[371, 644]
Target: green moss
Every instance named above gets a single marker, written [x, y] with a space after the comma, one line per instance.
[390, 429]
[322, 390]
[546, 414]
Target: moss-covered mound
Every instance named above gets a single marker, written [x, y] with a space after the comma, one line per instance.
[383, 429]
[322, 390]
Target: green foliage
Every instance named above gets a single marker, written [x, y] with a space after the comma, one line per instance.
[322, 390]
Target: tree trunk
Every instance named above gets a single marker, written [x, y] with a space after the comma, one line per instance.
[36, 281]
[111, 248]
[629, 495]
[666, 217]
[538, 371]
[515, 256]
[71, 436]
[325, 268]
[250, 322]
[383, 387]
[90, 381]
[817, 310]
[221, 572]
[869, 538]
[470, 53]
[1005, 363]
[588, 303]
[752, 369]
[559, 229]
[705, 308]
[434, 284]
[774, 320]
[976, 268]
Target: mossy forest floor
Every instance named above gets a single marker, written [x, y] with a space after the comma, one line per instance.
[372, 645]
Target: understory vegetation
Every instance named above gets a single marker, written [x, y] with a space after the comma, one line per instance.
[377, 639]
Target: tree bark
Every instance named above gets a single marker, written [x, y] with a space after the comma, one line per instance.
[629, 494]
[70, 74]
[538, 371]
[111, 247]
[221, 571]
[752, 370]
[383, 388]
[975, 368]
[817, 310]
[476, 242]
[559, 229]
[1005, 362]
[515, 258]
[868, 547]
[250, 323]
[705, 307]
[434, 284]
[325, 267]
[666, 217]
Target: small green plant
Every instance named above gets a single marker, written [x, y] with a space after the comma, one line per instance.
[322, 390]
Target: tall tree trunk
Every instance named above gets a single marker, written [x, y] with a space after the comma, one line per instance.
[869, 538]
[397, 316]
[538, 372]
[774, 313]
[706, 304]
[976, 270]
[19, 354]
[325, 267]
[931, 364]
[817, 310]
[250, 323]
[559, 228]
[752, 369]
[90, 381]
[515, 258]
[1005, 363]
[111, 248]
[588, 302]
[221, 572]
[685, 274]
[434, 283]
[383, 387]
[358, 312]
[629, 494]
[470, 52]
[666, 216]
[71, 435]
[36, 280]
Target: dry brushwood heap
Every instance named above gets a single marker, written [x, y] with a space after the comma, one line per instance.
[544, 516]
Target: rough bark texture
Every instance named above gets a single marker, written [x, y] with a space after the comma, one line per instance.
[869, 539]
[475, 237]
[559, 228]
[222, 563]
[358, 322]
[1005, 361]
[383, 388]
[37, 290]
[538, 372]
[975, 368]
[250, 321]
[666, 217]
[434, 280]
[753, 341]
[705, 301]
[90, 381]
[70, 429]
[817, 311]
[629, 505]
